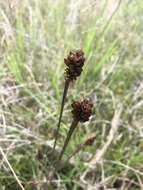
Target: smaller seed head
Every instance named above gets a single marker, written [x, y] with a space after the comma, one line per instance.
[90, 141]
[82, 110]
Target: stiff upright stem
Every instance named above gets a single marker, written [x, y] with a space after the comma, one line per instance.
[61, 111]
[70, 132]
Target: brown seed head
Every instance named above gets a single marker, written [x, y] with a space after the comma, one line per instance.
[82, 110]
[90, 141]
[74, 63]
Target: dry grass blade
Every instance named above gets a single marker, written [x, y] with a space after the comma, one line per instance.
[10, 167]
[114, 127]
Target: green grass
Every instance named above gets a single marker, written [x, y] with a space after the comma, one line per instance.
[35, 37]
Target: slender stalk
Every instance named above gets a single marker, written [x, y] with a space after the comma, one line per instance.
[88, 142]
[70, 132]
[67, 82]
[77, 150]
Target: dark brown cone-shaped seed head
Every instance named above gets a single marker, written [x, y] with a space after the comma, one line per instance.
[82, 110]
[90, 141]
[74, 63]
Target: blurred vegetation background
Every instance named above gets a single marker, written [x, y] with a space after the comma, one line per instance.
[35, 37]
